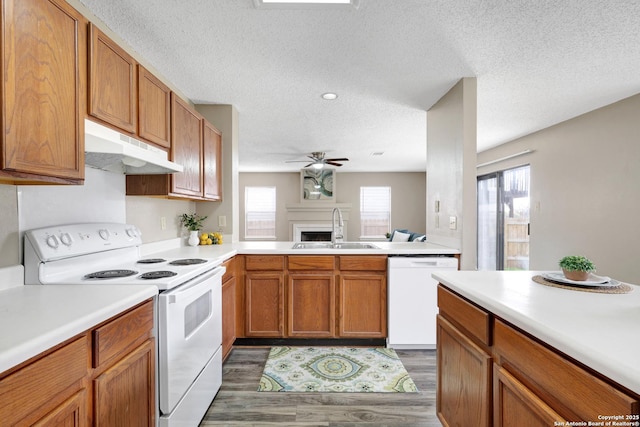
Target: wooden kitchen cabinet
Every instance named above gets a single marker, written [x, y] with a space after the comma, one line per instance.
[49, 388]
[43, 136]
[228, 307]
[362, 300]
[491, 371]
[211, 161]
[125, 393]
[264, 296]
[154, 109]
[196, 145]
[124, 375]
[113, 82]
[463, 378]
[103, 377]
[311, 297]
[514, 404]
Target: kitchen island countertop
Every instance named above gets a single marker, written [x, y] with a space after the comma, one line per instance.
[35, 318]
[602, 331]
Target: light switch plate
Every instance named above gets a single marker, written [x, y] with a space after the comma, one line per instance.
[453, 222]
[222, 221]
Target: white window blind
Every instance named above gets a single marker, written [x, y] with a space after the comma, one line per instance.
[260, 212]
[375, 211]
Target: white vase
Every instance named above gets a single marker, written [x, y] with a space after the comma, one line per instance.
[193, 238]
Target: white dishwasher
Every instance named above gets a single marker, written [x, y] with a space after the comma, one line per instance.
[412, 300]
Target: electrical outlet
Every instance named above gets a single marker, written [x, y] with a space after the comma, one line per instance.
[163, 223]
[453, 223]
[222, 221]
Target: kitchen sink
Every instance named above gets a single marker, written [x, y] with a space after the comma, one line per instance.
[328, 245]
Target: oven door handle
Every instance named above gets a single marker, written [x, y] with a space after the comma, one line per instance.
[195, 289]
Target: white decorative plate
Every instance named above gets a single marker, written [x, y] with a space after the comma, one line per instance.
[558, 277]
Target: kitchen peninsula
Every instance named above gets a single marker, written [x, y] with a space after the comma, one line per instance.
[545, 353]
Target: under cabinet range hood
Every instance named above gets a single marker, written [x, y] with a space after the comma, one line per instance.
[112, 151]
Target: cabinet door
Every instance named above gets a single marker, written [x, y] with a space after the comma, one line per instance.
[186, 148]
[112, 82]
[228, 316]
[125, 393]
[154, 109]
[514, 404]
[212, 165]
[362, 311]
[72, 413]
[464, 378]
[264, 299]
[43, 91]
[311, 305]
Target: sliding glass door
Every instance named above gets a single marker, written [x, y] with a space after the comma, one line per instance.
[503, 220]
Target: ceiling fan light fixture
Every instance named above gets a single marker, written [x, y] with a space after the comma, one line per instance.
[317, 165]
[329, 96]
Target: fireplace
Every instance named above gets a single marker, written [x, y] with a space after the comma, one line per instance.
[303, 232]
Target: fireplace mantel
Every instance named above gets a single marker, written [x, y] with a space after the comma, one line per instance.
[313, 216]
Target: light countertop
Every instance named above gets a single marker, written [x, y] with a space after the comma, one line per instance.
[600, 330]
[35, 318]
[172, 248]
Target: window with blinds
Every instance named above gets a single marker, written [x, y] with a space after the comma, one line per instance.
[375, 211]
[260, 212]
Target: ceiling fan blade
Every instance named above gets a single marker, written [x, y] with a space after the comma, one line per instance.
[310, 164]
[333, 163]
[342, 159]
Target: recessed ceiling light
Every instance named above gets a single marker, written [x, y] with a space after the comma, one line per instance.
[377, 153]
[329, 96]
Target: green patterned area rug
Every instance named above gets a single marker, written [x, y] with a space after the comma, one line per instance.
[335, 369]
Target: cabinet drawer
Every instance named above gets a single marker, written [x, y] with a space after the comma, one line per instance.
[122, 334]
[463, 313]
[558, 381]
[303, 262]
[363, 263]
[45, 383]
[264, 262]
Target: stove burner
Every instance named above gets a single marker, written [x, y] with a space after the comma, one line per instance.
[151, 261]
[110, 274]
[157, 275]
[188, 261]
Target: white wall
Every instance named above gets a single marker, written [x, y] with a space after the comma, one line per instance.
[407, 198]
[585, 194]
[451, 161]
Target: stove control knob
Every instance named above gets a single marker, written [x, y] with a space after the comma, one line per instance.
[52, 242]
[66, 239]
[104, 234]
[131, 232]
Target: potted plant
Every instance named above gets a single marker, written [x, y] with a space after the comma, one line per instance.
[193, 223]
[576, 267]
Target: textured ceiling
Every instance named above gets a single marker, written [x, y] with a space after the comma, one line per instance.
[537, 63]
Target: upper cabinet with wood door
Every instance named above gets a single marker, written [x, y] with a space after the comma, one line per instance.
[211, 161]
[154, 109]
[112, 82]
[196, 145]
[43, 92]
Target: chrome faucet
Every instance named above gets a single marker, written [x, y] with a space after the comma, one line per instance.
[337, 232]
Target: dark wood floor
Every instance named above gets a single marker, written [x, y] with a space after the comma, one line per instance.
[239, 404]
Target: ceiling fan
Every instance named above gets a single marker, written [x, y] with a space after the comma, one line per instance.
[318, 160]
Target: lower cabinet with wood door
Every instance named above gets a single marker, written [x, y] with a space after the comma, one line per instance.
[495, 374]
[228, 307]
[314, 296]
[103, 377]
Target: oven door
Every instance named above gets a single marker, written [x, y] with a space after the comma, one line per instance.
[189, 333]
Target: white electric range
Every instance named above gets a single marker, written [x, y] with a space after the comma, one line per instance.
[188, 307]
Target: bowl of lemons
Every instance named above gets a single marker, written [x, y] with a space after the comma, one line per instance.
[211, 238]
